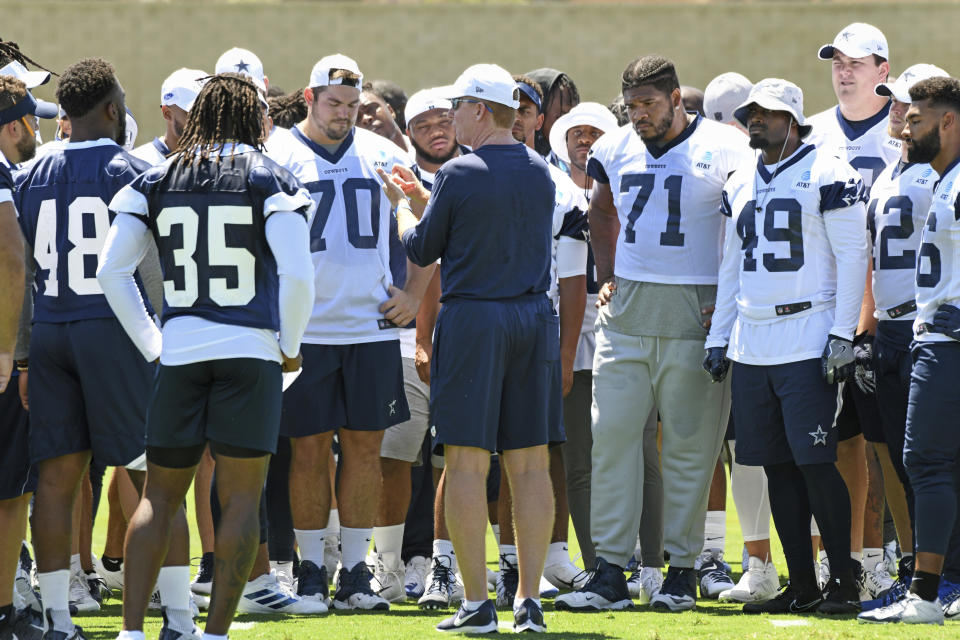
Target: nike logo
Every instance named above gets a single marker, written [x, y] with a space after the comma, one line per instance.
[800, 608]
[589, 598]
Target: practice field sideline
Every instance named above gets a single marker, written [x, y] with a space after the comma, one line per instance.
[710, 621]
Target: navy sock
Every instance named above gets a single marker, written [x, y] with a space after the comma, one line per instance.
[791, 515]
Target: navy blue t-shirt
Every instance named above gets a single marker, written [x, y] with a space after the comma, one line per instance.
[490, 219]
[6, 180]
[62, 199]
[209, 222]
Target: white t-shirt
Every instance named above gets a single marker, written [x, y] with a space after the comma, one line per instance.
[349, 233]
[668, 199]
[899, 202]
[793, 271]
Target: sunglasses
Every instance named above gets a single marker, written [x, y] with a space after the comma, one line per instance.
[456, 103]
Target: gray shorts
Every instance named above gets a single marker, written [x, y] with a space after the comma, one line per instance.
[404, 441]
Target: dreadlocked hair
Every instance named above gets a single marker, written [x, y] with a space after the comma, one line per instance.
[11, 51]
[226, 110]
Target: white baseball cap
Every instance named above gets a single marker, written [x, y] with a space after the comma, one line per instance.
[775, 94]
[320, 74]
[181, 88]
[423, 101]
[132, 130]
[591, 114]
[30, 78]
[857, 40]
[900, 88]
[487, 81]
[243, 61]
[725, 93]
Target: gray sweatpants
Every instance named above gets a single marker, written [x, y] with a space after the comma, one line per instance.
[632, 376]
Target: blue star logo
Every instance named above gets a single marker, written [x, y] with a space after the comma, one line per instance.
[819, 436]
[242, 66]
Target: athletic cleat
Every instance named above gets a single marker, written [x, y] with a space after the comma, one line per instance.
[97, 587]
[713, 574]
[840, 599]
[265, 594]
[388, 583]
[312, 582]
[644, 583]
[679, 591]
[203, 581]
[789, 600]
[354, 592]
[166, 633]
[507, 583]
[415, 576]
[23, 625]
[331, 553]
[529, 617]
[492, 577]
[24, 595]
[113, 580]
[53, 634]
[875, 582]
[565, 576]
[605, 590]
[949, 596]
[457, 594]
[436, 591]
[891, 554]
[481, 620]
[547, 590]
[80, 593]
[911, 609]
[284, 571]
[759, 584]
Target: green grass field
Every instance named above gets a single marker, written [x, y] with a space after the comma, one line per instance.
[710, 620]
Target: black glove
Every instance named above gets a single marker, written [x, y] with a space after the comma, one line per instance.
[837, 359]
[947, 321]
[863, 373]
[716, 364]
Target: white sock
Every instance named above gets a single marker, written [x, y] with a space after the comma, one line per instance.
[354, 544]
[333, 522]
[55, 589]
[508, 552]
[472, 605]
[210, 636]
[822, 555]
[389, 543]
[557, 553]
[75, 564]
[871, 558]
[857, 555]
[445, 548]
[310, 542]
[131, 635]
[173, 583]
[715, 530]
[496, 532]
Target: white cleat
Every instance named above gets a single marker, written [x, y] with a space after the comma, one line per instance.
[436, 591]
[80, 593]
[759, 584]
[284, 571]
[873, 583]
[565, 576]
[912, 609]
[713, 574]
[265, 594]
[547, 590]
[644, 583]
[388, 582]
[112, 579]
[823, 571]
[415, 576]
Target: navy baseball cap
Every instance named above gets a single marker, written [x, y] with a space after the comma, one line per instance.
[27, 106]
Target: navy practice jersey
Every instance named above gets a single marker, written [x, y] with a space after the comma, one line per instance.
[208, 219]
[6, 181]
[62, 199]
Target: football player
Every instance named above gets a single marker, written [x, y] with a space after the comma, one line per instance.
[226, 295]
[177, 94]
[791, 281]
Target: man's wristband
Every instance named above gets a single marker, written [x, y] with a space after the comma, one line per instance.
[21, 365]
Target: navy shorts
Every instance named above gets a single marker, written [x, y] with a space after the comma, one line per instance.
[494, 373]
[357, 386]
[15, 476]
[233, 402]
[859, 414]
[893, 363]
[89, 387]
[784, 413]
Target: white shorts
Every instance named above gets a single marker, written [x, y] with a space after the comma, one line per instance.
[404, 441]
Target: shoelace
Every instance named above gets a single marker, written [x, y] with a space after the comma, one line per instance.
[441, 577]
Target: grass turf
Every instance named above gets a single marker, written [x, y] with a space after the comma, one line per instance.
[711, 620]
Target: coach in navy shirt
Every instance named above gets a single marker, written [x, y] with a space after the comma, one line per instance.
[489, 221]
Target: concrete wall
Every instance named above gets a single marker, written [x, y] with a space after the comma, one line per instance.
[429, 44]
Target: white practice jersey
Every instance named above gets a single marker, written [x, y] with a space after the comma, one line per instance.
[868, 148]
[938, 263]
[349, 233]
[568, 256]
[899, 201]
[155, 152]
[668, 199]
[788, 237]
